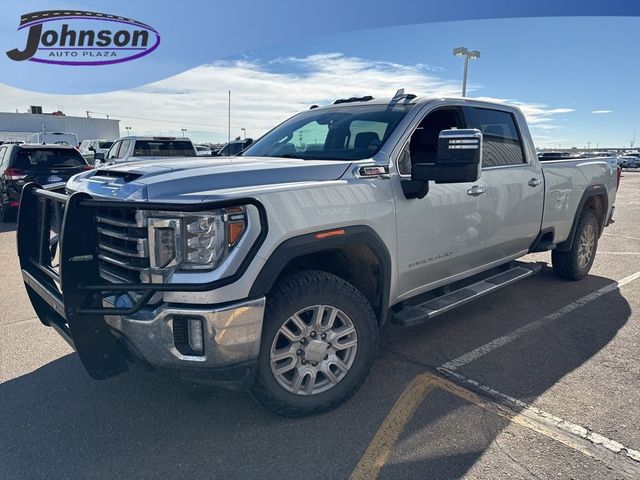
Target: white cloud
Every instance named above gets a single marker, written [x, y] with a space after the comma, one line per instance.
[263, 94]
[601, 111]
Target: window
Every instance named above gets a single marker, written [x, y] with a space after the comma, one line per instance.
[104, 145]
[347, 132]
[163, 148]
[124, 148]
[423, 146]
[366, 132]
[501, 140]
[113, 152]
[3, 151]
[28, 159]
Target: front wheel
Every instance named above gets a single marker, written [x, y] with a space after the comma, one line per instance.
[319, 342]
[576, 263]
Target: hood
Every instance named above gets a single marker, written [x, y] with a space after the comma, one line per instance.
[193, 179]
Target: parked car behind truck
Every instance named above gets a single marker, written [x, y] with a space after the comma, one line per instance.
[275, 272]
[24, 163]
[136, 149]
[89, 148]
[56, 138]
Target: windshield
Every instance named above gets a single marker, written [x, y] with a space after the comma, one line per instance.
[163, 148]
[346, 133]
[42, 158]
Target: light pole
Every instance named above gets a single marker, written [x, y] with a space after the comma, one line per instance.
[244, 133]
[183, 130]
[128, 129]
[467, 54]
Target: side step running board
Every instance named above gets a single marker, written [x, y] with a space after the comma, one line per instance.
[439, 305]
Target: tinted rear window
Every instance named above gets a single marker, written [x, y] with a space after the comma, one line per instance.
[163, 148]
[45, 158]
[105, 144]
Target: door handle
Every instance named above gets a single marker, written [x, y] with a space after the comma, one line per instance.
[534, 182]
[476, 190]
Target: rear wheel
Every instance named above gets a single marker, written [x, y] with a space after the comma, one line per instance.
[319, 342]
[575, 263]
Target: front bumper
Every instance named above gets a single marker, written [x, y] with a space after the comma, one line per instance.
[231, 336]
[61, 272]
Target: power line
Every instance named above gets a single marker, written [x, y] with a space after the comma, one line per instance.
[172, 122]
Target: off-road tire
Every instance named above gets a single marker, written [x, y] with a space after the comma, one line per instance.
[566, 264]
[291, 294]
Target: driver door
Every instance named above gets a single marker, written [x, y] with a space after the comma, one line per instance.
[440, 237]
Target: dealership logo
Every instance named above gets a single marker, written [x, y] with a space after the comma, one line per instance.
[70, 37]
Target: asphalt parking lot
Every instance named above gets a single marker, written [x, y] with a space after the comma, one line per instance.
[538, 380]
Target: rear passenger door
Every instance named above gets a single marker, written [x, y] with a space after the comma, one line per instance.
[513, 189]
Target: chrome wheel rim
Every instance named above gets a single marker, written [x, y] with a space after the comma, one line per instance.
[585, 246]
[313, 350]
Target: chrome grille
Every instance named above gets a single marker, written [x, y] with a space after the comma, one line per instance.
[123, 247]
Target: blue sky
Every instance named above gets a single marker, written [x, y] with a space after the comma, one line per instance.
[559, 70]
[582, 63]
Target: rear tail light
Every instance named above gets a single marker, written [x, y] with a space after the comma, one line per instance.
[618, 175]
[14, 174]
[14, 204]
[88, 167]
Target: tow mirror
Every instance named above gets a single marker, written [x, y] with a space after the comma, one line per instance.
[459, 158]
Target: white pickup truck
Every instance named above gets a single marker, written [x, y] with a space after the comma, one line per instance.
[275, 271]
[136, 149]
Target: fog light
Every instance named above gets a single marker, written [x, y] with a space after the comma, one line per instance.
[196, 335]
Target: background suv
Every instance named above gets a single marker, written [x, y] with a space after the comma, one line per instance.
[43, 164]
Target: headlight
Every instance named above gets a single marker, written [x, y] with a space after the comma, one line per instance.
[194, 241]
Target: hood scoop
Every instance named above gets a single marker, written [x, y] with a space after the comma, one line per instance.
[113, 174]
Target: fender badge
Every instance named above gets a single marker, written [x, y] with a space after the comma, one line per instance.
[81, 258]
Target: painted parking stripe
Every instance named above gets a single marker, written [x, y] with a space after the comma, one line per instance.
[619, 253]
[488, 347]
[625, 461]
[387, 435]
[620, 236]
[614, 454]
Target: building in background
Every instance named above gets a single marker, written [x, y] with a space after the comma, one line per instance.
[21, 126]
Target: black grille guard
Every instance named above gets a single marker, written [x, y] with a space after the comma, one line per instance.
[70, 299]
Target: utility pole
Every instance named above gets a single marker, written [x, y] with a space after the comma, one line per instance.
[229, 125]
[589, 145]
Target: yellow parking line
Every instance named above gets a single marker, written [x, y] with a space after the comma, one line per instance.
[387, 435]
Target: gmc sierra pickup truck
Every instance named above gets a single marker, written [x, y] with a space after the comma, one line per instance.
[274, 271]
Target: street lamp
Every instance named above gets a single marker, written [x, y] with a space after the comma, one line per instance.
[183, 130]
[244, 133]
[467, 54]
[128, 129]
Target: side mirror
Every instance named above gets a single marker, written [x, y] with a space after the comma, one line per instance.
[459, 158]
